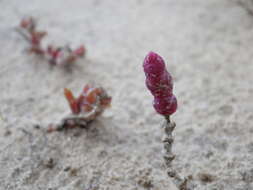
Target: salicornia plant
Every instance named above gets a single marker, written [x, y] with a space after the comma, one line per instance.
[56, 55]
[160, 84]
[84, 109]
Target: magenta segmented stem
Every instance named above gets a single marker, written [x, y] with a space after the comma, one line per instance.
[160, 84]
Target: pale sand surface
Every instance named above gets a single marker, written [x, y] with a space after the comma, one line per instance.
[208, 47]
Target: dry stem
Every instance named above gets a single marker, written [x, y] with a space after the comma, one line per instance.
[75, 120]
[168, 139]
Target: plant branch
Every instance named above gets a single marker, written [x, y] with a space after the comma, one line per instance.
[168, 140]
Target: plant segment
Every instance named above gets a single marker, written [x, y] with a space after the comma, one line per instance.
[55, 55]
[160, 84]
[90, 104]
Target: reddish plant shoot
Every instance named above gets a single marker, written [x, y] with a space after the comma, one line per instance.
[92, 100]
[55, 55]
[32, 35]
[160, 84]
[80, 51]
[85, 108]
[28, 24]
[64, 55]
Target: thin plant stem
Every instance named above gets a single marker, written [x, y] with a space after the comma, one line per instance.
[181, 183]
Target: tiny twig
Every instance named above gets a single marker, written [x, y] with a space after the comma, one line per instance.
[70, 121]
[168, 140]
[73, 120]
[22, 34]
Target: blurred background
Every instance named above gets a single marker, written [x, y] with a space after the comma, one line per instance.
[207, 49]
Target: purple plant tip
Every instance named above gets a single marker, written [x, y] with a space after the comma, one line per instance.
[165, 106]
[153, 64]
[160, 84]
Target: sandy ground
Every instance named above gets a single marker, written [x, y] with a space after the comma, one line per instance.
[208, 49]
